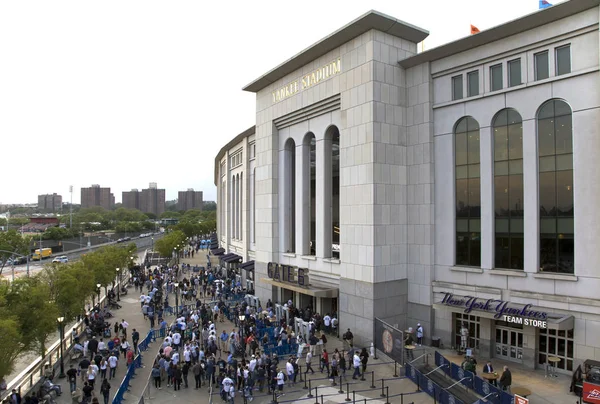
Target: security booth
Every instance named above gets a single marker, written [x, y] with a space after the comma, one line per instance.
[301, 328]
[252, 301]
[282, 313]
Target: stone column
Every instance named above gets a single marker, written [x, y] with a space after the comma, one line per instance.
[302, 198]
[324, 198]
[531, 207]
[486, 179]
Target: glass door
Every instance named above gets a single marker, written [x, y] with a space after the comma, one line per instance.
[509, 344]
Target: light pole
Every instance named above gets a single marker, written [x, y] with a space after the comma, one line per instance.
[242, 317]
[71, 208]
[61, 332]
[98, 290]
[118, 284]
[176, 284]
[152, 249]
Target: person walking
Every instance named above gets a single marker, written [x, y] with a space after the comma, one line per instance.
[364, 358]
[105, 390]
[113, 361]
[177, 376]
[72, 376]
[419, 334]
[308, 363]
[356, 364]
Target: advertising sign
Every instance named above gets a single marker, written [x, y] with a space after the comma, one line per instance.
[591, 393]
[389, 340]
[521, 400]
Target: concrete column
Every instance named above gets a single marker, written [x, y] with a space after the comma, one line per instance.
[324, 198]
[487, 198]
[302, 199]
[531, 233]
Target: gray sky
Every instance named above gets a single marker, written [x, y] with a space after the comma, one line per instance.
[123, 93]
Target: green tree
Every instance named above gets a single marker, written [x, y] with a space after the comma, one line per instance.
[12, 244]
[10, 345]
[70, 287]
[170, 215]
[209, 206]
[168, 242]
[29, 300]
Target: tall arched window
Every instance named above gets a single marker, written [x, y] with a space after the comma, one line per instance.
[232, 209]
[508, 189]
[253, 209]
[468, 193]
[237, 206]
[241, 208]
[289, 195]
[555, 150]
[310, 156]
[335, 190]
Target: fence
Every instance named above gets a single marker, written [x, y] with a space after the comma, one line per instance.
[473, 382]
[124, 387]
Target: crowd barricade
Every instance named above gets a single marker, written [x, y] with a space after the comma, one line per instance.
[428, 386]
[160, 333]
[475, 383]
[124, 386]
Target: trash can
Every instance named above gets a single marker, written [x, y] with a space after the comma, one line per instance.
[435, 342]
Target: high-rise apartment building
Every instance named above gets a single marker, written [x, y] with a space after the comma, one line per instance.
[50, 202]
[152, 200]
[131, 199]
[97, 196]
[189, 199]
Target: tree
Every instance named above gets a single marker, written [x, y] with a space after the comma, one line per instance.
[170, 215]
[209, 206]
[12, 244]
[167, 243]
[29, 300]
[10, 345]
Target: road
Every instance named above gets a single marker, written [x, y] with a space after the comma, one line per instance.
[35, 266]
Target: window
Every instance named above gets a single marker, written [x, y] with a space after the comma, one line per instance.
[563, 60]
[468, 206]
[288, 188]
[514, 73]
[557, 343]
[473, 325]
[496, 77]
[335, 192]
[542, 71]
[473, 83]
[457, 87]
[555, 151]
[508, 189]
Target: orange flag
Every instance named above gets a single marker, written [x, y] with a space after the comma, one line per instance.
[474, 29]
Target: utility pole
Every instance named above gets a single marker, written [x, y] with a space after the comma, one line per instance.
[71, 208]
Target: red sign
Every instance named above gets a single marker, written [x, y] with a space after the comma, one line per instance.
[521, 400]
[591, 393]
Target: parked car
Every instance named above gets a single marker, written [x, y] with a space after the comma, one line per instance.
[61, 259]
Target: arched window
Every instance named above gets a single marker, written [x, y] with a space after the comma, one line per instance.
[253, 210]
[310, 173]
[289, 195]
[232, 209]
[241, 208]
[468, 193]
[555, 150]
[335, 190]
[508, 189]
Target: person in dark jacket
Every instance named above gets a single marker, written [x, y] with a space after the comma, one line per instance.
[506, 379]
[177, 376]
[488, 368]
[105, 390]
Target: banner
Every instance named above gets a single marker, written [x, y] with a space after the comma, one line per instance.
[591, 393]
[521, 400]
[459, 374]
[389, 340]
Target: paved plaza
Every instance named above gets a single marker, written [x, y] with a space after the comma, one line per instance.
[545, 390]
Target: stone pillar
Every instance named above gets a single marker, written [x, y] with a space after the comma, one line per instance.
[324, 198]
[303, 198]
[531, 207]
[487, 197]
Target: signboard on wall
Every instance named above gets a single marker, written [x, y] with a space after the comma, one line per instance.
[389, 340]
[288, 273]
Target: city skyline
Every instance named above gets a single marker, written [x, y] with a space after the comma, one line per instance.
[140, 99]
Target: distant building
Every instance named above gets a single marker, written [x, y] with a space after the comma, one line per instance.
[97, 196]
[50, 203]
[39, 224]
[189, 199]
[131, 199]
[152, 200]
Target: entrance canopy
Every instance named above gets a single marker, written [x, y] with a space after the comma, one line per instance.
[312, 290]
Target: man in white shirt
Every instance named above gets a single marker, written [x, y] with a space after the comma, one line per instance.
[142, 300]
[252, 364]
[176, 340]
[228, 387]
[308, 363]
[175, 358]
[327, 323]
[356, 364]
[290, 372]
[113, 361]
[101, 346]
[124, 324]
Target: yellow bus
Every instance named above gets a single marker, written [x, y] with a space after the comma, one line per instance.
[46, 252]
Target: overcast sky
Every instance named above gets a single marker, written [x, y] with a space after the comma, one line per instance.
[123, 93]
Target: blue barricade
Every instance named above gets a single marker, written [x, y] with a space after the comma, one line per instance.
[464, 376]
[440, 360]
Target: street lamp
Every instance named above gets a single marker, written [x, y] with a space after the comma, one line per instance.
[61, 332]
[152, 249]
[242, 317]
[98, 290]
[118, 284]
[176, 284]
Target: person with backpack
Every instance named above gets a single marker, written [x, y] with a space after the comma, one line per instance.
[105, 390]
